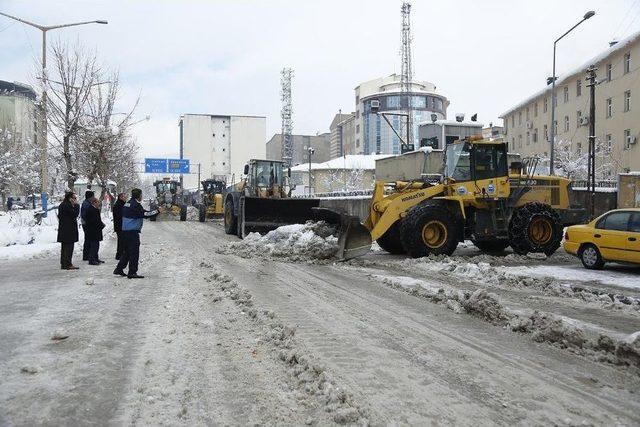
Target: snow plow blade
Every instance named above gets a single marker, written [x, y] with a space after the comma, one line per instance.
[354, 238]
[263, 215]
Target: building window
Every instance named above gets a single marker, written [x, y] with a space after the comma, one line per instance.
[579, 87]
[358, 128]
[627, 62]
[566, 123]
[579, 148]
[223, 135]
[627, 101]
[545, 105]
[578, 119]
[419, 102]
[627, 139]
[608, 108]
[519, 141]
[519, 117]
[545, 130]
[609, 68]
[609, 141]
[555, 127]
[535, 135]
[566, 93]
[393, 102]
[527, 113]
[513, 120]
[528, 138]
[214, 135]
[535, 110]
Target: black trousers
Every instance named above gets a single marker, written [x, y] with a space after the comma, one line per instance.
[94, 247]
[120, 245]
[131, 252]
[85, 245]
[66, 252]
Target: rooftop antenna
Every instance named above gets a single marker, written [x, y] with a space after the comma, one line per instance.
[406, 75]
[286, 113]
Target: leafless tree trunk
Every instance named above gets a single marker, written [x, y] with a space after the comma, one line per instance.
[75, 73]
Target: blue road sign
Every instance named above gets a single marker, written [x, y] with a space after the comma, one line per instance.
[178, 165]
[155, 165]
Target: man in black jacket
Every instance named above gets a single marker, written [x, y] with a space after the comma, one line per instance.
[93, 230]
[83, 213]
[68, 229]
[117, 222]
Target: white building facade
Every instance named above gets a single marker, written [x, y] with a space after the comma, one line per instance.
[373, 135]
[220, 144]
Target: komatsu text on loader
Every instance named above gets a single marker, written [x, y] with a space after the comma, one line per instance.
[481, 199]
[260, 202]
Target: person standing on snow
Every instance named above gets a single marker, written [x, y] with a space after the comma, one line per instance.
[117, 223]
[83, 209]
[68, 229]
[93, 230]
[132, 216]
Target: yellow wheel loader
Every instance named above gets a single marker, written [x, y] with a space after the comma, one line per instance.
[480, 198]
[212, 196]
[260, 202]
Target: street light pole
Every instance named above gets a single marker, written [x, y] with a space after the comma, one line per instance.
[552, 133]
[44, 178]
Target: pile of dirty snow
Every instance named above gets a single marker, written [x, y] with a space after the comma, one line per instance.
[21, 235]
[193, 214]
[298, 242]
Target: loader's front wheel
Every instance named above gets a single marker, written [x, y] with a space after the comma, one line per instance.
[535, 227]
[429, 229]
[390, 241]
[202, 213]
[230, 219]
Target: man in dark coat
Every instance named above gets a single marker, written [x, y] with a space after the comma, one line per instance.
[83, 210]
[93, 230]
[132, 215]
[117, 222]
[68, 229]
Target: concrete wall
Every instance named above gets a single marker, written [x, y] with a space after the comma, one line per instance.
[221, 144]
[629, 191]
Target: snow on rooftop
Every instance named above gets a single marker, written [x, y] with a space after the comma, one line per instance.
[350, 161]
[452, 123]
[621, 45]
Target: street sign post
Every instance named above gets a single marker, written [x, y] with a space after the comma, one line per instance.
[178, 165]
[155, 166]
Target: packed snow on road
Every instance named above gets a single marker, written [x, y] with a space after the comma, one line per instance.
[274, 330]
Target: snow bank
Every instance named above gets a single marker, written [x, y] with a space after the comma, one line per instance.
[296, 242]
[21, 236]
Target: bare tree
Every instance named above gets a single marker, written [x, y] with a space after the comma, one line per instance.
[75, 73]
[19, 165]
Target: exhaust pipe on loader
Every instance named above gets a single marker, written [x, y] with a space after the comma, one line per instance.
[263, 215]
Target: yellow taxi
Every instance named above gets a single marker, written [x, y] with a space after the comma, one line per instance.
[614, 236]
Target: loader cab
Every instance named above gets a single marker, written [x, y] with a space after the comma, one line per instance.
[473, 160]
[266, 174]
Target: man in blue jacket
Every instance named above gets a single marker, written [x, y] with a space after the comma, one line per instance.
[132, 216]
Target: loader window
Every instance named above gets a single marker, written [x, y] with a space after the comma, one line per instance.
[457, 164]
[489, 161]
[268, 174]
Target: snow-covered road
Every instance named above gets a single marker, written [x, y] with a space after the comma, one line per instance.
[210, 337]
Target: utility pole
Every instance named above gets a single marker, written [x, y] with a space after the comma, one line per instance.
[591, 167]
[44, 176]
[310, 151]
[406, 74]
[286, 114]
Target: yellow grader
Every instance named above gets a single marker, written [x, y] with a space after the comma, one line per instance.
[480, 198]
[212, 196]
[169, 200]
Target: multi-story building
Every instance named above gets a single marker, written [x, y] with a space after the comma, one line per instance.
[18, 111]
[373, 135]
[343, 133]
[301, 143]
[617, 118]
[220, 144]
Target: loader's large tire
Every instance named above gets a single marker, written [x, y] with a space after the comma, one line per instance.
[230, 219]
[202, 213]
[390, 241]
[535, 227]
[183, 213]
[491, 246]
[429, 229]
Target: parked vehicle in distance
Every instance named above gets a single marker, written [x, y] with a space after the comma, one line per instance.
[613, 236]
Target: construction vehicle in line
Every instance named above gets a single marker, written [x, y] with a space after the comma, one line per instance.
[261, 202]
[169, 200]
[211, 205]
[479, 198]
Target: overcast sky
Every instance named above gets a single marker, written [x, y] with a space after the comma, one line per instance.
[224, 57]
